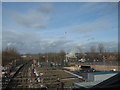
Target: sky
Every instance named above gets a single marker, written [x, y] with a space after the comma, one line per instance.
[37, 27]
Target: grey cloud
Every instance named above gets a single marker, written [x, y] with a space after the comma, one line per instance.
[31, 43]
[27, 42]
[33, 18]
[109, 46]
[39, 26]
[46, 8]
[101, 23]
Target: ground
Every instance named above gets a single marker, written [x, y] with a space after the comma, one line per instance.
[56, 76]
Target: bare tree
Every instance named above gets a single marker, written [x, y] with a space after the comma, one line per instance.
[93, 49]
[9, 55]
[62, 55]
[101, 48]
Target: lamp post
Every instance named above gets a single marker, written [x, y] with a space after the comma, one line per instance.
[66, 59]
[104, 62]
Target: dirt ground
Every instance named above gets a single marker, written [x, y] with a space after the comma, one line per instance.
[56, 77]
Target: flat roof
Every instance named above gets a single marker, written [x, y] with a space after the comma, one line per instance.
[87, 84]
[106, 72]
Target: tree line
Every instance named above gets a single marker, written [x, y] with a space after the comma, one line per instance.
[11, 54]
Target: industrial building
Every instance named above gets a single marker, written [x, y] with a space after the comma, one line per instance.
[95, 78]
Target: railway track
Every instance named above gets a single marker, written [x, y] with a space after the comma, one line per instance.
[53, 78]
[20, 79]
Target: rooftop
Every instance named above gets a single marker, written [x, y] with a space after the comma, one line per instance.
[87, 84]
[106, 72]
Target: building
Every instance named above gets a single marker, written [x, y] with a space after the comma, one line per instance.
[101, 76]
[95, 78]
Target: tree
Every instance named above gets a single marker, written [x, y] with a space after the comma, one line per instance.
[9, 55]
[101, 48]
[62, 55]
[93, 49]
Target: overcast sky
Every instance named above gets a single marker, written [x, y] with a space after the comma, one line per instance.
[36, 27]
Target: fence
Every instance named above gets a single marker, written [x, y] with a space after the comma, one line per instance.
[112, 63]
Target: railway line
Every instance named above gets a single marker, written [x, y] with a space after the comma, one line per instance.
[6, 80]
[19, 79]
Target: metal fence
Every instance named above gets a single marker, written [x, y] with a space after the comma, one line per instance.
[112, 63]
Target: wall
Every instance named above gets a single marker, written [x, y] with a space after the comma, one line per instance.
[105, 67]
